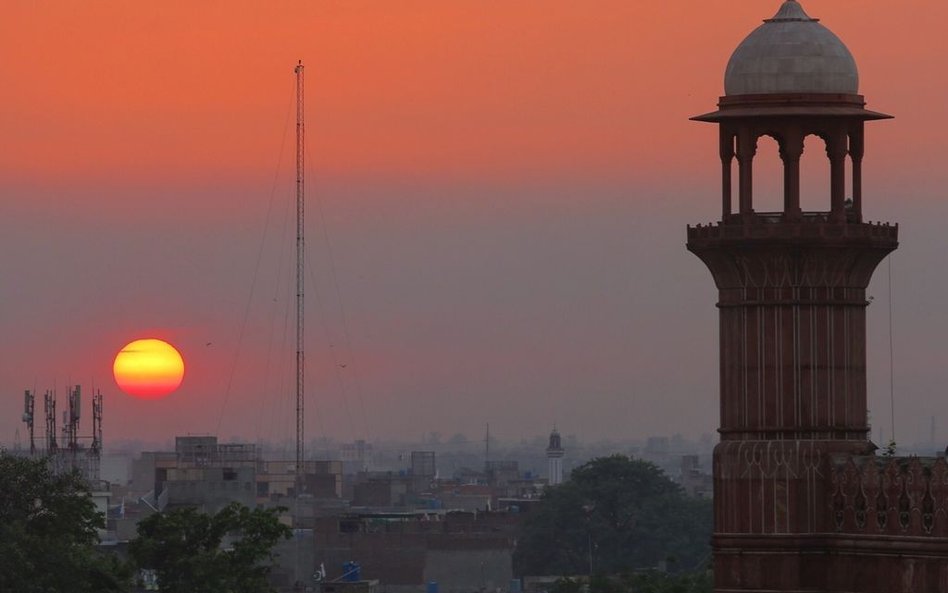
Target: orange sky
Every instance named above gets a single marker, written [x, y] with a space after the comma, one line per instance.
[456, 147]
[116, 90]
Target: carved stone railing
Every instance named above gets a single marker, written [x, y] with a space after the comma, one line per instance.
[905, 496]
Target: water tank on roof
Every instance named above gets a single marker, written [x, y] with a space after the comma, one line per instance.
[351, 572]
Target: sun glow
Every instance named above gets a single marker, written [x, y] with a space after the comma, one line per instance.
[149, 368]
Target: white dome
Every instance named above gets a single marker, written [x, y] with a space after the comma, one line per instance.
[791, 53]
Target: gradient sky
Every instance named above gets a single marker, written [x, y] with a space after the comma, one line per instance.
[498, 193]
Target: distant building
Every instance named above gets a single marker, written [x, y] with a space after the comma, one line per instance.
[423, 464]
[203, 473]
[355, 456]
[381, 490]
[554, 455]
[276, 480]
[461, 551]
[502, 473]
[206, 475]
[423, 470]
[693, 480]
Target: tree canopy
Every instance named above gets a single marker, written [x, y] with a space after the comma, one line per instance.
[48, 535]
[193, 552]
[614, 515]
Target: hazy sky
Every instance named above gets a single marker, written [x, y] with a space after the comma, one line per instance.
[497, 200]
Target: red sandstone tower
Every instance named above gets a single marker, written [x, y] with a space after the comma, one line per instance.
[801, 502]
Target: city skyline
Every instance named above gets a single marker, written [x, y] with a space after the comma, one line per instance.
[505, 190]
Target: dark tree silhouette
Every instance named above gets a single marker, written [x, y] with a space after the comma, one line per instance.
[193, 552]
[48, 534]
[613, 515]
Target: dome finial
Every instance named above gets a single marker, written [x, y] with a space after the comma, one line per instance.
[790, 10]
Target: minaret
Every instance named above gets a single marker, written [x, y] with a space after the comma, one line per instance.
[792, 308]
[554, 455]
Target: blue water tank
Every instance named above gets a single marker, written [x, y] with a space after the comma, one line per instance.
[351, 572]
[432, 587]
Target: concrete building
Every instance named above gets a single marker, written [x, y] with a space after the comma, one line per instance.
[405, 551]
[502, 473]
[383, 490]
[356, 456]
[423, 470]
[423, 464]
[210, 488]
[801, 501]
[276, 480]
[203, 473]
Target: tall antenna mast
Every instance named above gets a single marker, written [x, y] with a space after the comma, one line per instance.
[300, 249]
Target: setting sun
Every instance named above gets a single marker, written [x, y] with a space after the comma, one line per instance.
[149, 369]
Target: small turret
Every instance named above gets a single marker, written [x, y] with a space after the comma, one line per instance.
[554, 454]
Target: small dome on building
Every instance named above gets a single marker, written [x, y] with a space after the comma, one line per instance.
[791, 53]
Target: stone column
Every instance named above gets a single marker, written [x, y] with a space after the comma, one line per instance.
[746, 149]
[790, 151]
[727, 156]
[836, 150]
[856, 149]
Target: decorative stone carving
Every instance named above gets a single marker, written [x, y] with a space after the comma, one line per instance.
[895, 496]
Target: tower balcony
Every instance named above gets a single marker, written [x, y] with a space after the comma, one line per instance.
[768, 226]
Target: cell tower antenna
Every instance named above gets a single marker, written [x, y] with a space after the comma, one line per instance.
[49, 404]
[300, 251]
[72, 419]
[96, 447]
[29, 407]
[95, 450]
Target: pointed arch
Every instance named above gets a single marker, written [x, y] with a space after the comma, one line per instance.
[814, 175]
[768, 174]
